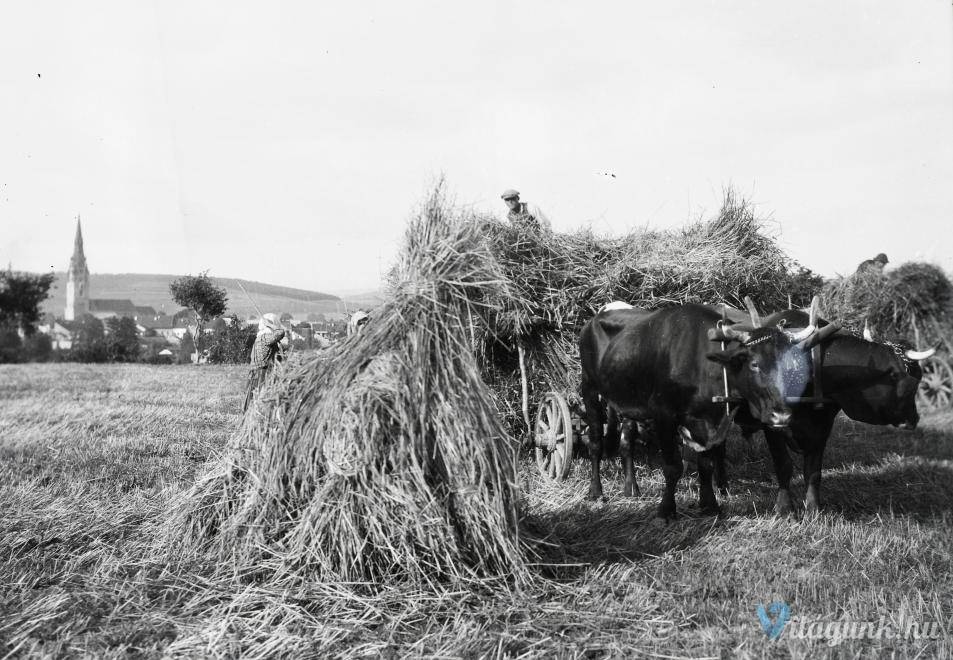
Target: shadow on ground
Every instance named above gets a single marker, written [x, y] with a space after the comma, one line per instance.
[868, 472]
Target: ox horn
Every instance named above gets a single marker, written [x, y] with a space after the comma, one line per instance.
[801, 335]
[867, 334]
[920, 355]
[753, 312]
[739, 335]
[812, 316]
[821, 335]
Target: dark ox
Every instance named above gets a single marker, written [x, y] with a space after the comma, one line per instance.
[662, 366]
[871, 382]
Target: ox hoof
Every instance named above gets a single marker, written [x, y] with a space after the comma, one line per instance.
[812, 503]
[783, 505]
[784, 511]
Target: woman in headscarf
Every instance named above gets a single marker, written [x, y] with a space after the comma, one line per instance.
[269, 346]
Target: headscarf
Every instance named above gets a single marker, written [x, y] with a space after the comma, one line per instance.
[268, 323]
[358, 319]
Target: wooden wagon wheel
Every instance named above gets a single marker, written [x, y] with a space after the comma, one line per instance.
[553, 437]
[936, 386]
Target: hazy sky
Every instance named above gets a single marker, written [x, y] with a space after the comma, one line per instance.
[287, 142]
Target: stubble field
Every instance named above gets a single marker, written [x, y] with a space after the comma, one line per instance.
[91, 457]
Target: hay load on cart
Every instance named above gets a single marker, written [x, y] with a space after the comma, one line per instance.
[911, 303]
[557, 282]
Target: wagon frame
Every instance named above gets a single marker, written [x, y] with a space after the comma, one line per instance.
[936, 385]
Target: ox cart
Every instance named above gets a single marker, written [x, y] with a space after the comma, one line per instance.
[559, 430]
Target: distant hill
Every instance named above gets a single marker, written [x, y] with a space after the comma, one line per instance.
[153, 290]
[363, 299]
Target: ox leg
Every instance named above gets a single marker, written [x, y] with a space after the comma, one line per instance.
[783, 469]
[706, 494]
[721, 472]
[594, 417]
[627, 448]
[812, 433]
[672, 465]
[812, 477]
[613, 435]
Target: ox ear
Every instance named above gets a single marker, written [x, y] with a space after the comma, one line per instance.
[732, 357]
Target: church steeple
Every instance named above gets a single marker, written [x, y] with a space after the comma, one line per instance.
[78, 257]
[77, 279]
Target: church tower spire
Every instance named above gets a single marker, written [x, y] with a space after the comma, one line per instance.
[77, 279]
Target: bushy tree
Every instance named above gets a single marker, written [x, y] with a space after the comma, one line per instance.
[89, 340]
[20, 297]
[11, 346]
[200, 295]
[232, 343]
[37, 347]
[804, 285]
[122, 340]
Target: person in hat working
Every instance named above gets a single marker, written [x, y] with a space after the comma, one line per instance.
[874, 266]
[522, 214]
[268, 349]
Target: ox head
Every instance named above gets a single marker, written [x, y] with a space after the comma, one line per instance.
[767, 365]
[885, 388]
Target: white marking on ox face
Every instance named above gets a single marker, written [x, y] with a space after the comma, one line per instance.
[793, 373]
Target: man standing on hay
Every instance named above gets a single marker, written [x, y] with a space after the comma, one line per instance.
[524, 215]
[268, 349]
[875, 265]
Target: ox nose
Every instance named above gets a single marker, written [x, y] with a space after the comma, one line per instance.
[780, 419]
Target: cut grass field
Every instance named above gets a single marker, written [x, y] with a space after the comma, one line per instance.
[91, 457]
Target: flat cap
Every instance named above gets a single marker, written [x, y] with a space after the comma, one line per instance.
[509, 192]
[882, 258]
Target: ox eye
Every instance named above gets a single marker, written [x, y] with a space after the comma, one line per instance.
[754, 365]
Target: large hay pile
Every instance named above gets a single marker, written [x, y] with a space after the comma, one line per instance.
[913, 302]
[382, 460]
